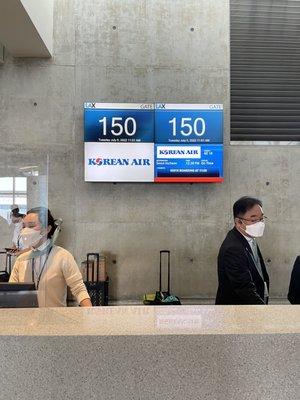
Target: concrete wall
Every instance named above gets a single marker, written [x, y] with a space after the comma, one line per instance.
[151, 55]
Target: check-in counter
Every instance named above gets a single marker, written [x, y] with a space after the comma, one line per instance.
[183, 352]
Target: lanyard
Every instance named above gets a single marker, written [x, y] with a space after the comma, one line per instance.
[41, 270]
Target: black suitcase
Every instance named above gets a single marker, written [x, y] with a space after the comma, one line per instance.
[162, 298]
[5, 274]
[97, 290]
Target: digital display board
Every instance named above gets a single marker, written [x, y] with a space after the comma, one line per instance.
[188, 142]
[153, 142]
[119, 142]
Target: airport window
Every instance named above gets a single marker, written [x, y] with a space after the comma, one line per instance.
[265, 70]
[13, 190]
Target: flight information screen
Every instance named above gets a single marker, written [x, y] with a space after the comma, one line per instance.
[150, 142]
[188, 142]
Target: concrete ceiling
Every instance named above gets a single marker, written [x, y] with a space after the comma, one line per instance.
[26, 27]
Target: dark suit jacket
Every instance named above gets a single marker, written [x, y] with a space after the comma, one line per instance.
[239, 279]
[294, 290]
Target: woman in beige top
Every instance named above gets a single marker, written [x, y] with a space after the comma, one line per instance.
[50, 267]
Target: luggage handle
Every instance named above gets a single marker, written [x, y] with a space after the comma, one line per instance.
[97, 256]
[8, 263]
[160, 265]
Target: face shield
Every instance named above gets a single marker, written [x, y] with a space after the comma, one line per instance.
[48, 244]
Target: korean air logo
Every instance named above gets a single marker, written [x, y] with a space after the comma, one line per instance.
[119, 161]
[178, 152]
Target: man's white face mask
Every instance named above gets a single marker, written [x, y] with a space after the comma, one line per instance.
[256, 230]
[30, 237]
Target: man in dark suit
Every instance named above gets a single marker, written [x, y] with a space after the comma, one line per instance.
[243, 278]
[294, 290]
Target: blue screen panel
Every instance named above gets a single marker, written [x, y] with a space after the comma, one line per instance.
[118, 123]
[188, 163]
[177, 123]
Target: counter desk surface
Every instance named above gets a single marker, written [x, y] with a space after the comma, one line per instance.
[151, 353]
[147, 320]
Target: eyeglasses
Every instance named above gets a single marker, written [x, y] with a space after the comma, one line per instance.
[262, 219]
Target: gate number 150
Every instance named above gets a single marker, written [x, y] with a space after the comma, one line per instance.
[188, 128]
[119, 126]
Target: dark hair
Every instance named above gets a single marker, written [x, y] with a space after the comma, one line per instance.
[45, 218]
[244, 204]
[16, 213]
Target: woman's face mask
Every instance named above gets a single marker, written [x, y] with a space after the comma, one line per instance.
[30, 237]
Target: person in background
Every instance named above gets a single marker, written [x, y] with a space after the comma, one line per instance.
[17, 220]
[242, 275]
[294, 289]
[50, 267]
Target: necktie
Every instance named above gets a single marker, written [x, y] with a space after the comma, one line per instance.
[258, 266]
[254, 250]
[256, 256]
